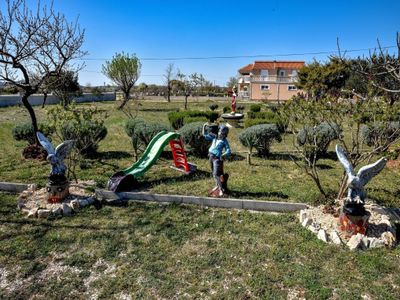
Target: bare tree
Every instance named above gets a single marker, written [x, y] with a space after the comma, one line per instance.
[188, 84]
[168, 79]
[35, 45]
[382, 70]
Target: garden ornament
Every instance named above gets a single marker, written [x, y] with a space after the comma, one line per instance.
[58, 186]
[218, 150]
[356, 193]
[56, 157]
[354, 218]
[233, 104]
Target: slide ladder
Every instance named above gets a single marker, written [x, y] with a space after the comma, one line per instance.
[180, 160]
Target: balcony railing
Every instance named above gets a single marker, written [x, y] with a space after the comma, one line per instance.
[271, 78]
[244, 94]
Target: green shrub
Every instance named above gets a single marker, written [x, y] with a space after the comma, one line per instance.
[213, 106]
[251, 122]
[380, 134]
[177, 119]
[132, 130]
[260, 115]
[85, 124]
[142, 132]
[212, 116]
[24, 132]
[193, 138]
[240, 108]
[268, 117]
[318, 138]
[87, 135]
[226, 109]
[188, 120]
[255, 107]
[260, 137]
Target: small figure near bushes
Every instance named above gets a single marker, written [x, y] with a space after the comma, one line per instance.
[218, 150]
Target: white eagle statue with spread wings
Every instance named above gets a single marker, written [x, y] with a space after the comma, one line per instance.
[56, 156]
[356, 193]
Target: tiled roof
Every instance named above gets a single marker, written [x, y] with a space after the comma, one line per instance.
[264, 65]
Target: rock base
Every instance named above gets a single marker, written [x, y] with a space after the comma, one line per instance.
[34, 203]
[381, 231]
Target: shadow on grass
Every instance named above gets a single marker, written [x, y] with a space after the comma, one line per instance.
[324, 167]
[166, 109]
[49, 225]
[113, 155]
[241, 194]
[198, 175]
[281, 156]
[236, 157]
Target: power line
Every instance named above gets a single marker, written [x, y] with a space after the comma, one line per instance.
[244, 56]
[147, 75]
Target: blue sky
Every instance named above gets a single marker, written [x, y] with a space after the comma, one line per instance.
[165, 29]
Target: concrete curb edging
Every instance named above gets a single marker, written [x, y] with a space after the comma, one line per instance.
[202, 201]
[14, 187]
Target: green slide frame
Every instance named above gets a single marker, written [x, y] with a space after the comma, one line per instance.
[151, 154]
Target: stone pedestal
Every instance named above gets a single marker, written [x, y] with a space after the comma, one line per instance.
[353, 224]
[232, 119]
[57, 192]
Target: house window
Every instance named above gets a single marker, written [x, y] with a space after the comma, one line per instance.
[281, 73]
[292, 88]
[264, 87]
[264, 73]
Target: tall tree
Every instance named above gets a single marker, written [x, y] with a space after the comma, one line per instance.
[169, 76]
[65, 86]
[35, 45]
[381, 70]
[124, 71]
[188, 84]
[319, 79]
[232, 82]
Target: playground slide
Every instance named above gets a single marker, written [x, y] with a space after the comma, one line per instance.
[126, 178]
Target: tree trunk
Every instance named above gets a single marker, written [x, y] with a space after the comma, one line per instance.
[186, 100]
[319, 186]
[126, 98]
[28, 106]
[44, 99]
[168, 93]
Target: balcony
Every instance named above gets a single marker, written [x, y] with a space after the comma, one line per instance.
[270, 79]
[244, 94]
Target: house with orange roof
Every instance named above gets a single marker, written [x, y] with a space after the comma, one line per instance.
[269, 80]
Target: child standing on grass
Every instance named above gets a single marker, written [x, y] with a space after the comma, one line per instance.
[218, 150]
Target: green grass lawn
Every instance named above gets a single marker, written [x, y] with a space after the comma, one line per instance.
[276, 178]
[153, 251]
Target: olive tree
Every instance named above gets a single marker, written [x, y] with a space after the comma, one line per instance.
[124, 70]
[34, 46]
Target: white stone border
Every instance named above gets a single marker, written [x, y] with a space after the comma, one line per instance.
[202, 201]
[13, 187]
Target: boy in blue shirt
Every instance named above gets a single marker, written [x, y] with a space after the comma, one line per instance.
[218, 150]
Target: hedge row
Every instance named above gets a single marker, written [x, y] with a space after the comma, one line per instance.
[179, 118]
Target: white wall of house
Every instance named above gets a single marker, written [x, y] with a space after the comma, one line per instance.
[34, 100]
